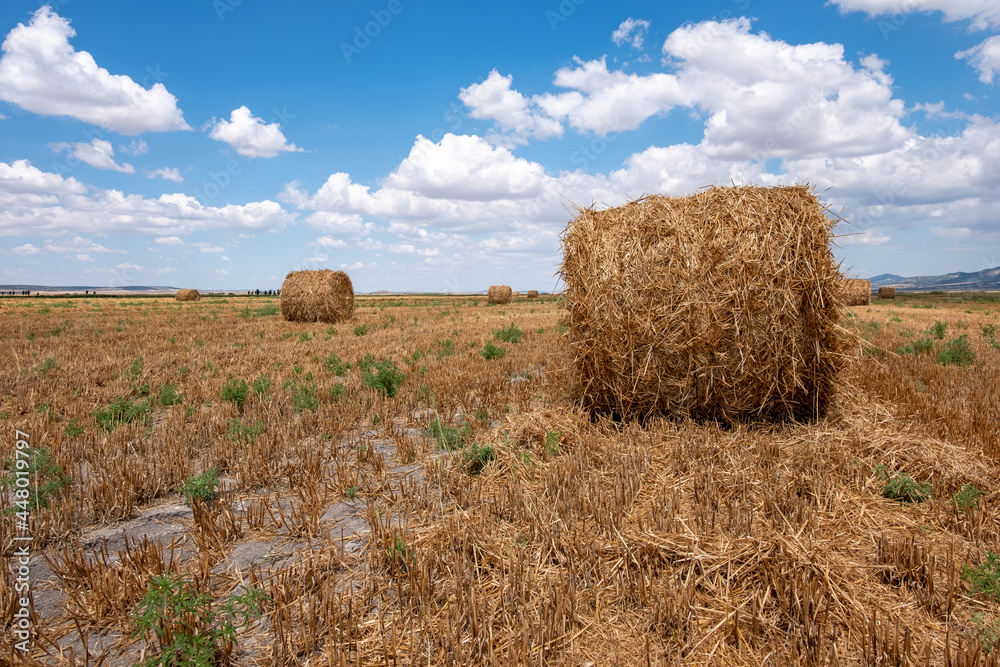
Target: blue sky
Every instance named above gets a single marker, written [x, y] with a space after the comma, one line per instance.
[219, 144]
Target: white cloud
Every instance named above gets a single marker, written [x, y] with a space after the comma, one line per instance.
[631, 30]
[221, 272]
[2, 117]
[954, 234]
[98, 154]
[26, 249]
[983, 14]
[984, 57]
[129, 267]
[250, 136]
[82, 257]
[319, 258]
[359, 266]
[165, 270]
[225, 259]
[330, 242]
[493, 99]
[77, 244]
[137, 147]
[205, 246]
[866, 238]
[37, 203]
[41, 72]
[174, 241]
[167, 174]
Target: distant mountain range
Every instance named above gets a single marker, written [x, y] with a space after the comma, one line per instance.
[985, 280]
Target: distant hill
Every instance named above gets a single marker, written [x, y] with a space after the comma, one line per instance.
[985, 280]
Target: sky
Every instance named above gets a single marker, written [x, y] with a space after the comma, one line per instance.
[421, 146]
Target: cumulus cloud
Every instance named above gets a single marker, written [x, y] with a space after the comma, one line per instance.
[75, 245]
[205, 246]
[173, 241]
[37, 203]
[166, 173]
[631, 30]
[868, 238]
[250, 136]
[129, 267]
[41, 72]
[985, 58]
[136, 147]
[982, 14]
[98, 154]
[494, 99]
[25, 250]
[329, 242]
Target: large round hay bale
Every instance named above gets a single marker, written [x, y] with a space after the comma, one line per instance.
[317, 296]
[857, 292]
[499, 294]
[187, 295]
[887, 292]
[532, 294]
[723, 305]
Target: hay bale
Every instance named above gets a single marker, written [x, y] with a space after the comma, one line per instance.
[499, 294]
[723, 305]
[532, 294]
[317, 296]
[187, 295]
[515, 294]
[856, 292]
[887, 292]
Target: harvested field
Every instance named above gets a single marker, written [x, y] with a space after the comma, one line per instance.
[468, 514]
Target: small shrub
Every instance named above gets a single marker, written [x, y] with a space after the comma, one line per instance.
[552, 440]
[47, 366]
[957, 352]
[984, 579]
[906, 349]
[261, 385]
[361, 330]
[491, 352]
[72, 429]
[510, 334]
[336, 365]
[305, 396]
[235, 391]
[383, 376]
[902, 487]
[169, 395]
[135, 370]
[46, 478]
[304, 337]
[446, 348]
[967, 497]
[448, 437]
[923, 346]
[201, 486]
[122, 411]
[990, 330]
[241, 431]
[476, 458]
[336, 391]
[351, 493]
[939, 329]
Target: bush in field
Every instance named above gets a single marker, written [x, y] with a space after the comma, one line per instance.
[510, 334]
[939, 329]
[957, 352]
[491, 352]
[235, 391]
[383, 376]
[169, 395]
[201, 486]
[122, 411]
[336, 365]
[47, 477]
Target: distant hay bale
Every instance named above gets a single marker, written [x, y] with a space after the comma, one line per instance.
[857, 292]
[532, 294]
[499, 294]
[515, 294]
[722, 305]
[187, 295]
[317, 296]
[887, 292]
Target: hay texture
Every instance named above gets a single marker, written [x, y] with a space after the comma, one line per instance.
[532, 294]
[317, 296]
[499, 294]
[857, 292]
[722, 305]
[887, 292]
[187, 295]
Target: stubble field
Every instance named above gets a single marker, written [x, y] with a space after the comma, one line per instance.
[393, 491]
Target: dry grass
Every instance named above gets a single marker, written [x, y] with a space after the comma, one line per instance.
[317, 296]
[580, 541]
[722, 305]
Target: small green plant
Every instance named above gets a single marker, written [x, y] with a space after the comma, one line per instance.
[904, 488]
[185, 628]
[304, 337]
[491, 352]
[509, 334]
[135, 370]
[957, 352]
[446, 348]
[475, 458]
[923, 346]
[336, 365]
[122, 411]
[261, 385]
[540, 330]
[72, 429]
[305, 396]
[169, 395]
[201, 486]
[336, 391]
[383, 376]
[46, 478]
[984, 579]
[235, 391]
[351, 493]
[967, 497]
[400, 555]
[238, 430]
[987, 631]
[990, 330]
[361, 330]
[47, 366]
[266, 310]
[552, 440]
[939, 329]
[904, 350]
[448, 437]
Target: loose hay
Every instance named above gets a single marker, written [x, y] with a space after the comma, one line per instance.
[532, 294]
[317, 296]
[499, 294]
[857, 292]
[722, 305]
[187, 295]
[887, 292]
